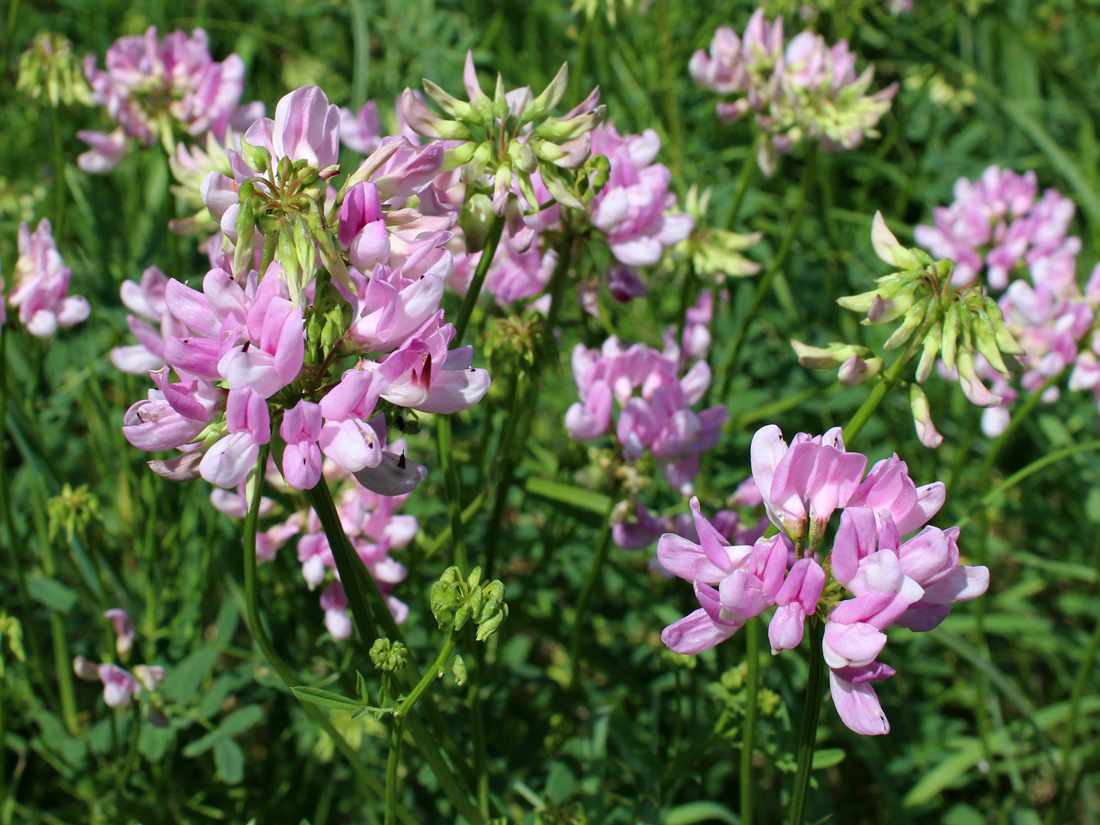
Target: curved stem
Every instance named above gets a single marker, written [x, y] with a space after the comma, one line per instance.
[776, 264]
[255, 623]
[496, 228]
[751, 632]
[879, 392]
[815, 686]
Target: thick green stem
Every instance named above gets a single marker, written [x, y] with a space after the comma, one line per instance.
[496, 228]
[815, 687]
[765, 282]
[372, 787]
[751, 632]
[590, 585]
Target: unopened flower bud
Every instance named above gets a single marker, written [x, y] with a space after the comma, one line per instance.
[929, 352]
[816, 358]
[888, 249]
[985, 339]
[523, 157]
[494, 598]
[856, 370]
[913, 319]
[389, 656]
[124, 630]
[975, 390]
[949, 343]
[490, 625]
[458, 109]
[922, 418]
[549, 97]
[458, 670]
[257, 157]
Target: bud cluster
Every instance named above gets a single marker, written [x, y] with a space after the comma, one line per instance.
[938, 320]
[49, 69]
[389, 656]
[456, 600]
[509, 136]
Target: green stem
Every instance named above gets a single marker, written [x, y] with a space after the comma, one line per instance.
[751, 631]
[590, 585]
[59, 175]
[765, 283]
[815, 686]
[62, 660]
[255, 622]
[743, 180]
[393, 762]
[454, 491]
[878, 392]
[496, 228]
[132, 749]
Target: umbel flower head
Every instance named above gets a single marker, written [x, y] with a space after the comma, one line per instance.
[891, 580]
[274, 347]
[938, 320]
[49, 69]
[801, 90]
[510, 136]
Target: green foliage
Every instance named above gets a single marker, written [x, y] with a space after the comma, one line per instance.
[992, 718]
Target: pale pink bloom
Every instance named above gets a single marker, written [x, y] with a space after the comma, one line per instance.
[41, 284]
[361, 131]
[119, 687]
[147, 80]
[306, 127]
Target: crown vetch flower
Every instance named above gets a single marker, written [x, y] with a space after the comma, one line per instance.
[41, 284]
[805, 90]
[892, 580]
[149, 85]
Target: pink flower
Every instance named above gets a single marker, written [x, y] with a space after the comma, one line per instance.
[361, 131]
[148, 82]
[911, 583]
[41, 285]
[124, 630]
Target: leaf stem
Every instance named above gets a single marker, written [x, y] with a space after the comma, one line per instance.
[496, 228]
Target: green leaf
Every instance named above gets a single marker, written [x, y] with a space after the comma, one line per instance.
[52, 593]
[201, 745]
[694, 812]
[229, 760]
[568, 494]
[184, 679]
[325, 698]
[154, 742]
[240, 720]
[827, 757]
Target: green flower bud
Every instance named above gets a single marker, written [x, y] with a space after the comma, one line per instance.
[951, 325]
[246, 236]
[549, 98]
[913, 319]
[489, 627]
[458, 670]
[494, 598]
[256, 157]
[458, 109]
[389, 656]
[523, 157]
[929, 352]
[985, 338]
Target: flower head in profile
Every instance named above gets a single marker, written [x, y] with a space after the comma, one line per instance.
[799, 90]
[888, 578]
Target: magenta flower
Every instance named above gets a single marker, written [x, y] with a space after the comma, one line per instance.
[658, 420]
[911, 583]
[41, 285]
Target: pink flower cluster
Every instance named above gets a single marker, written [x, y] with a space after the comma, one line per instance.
[998, 229]
[805, 90]
[1001, 232]
[654, 406]
[370, 522]
[911, 583]
[150, 85]
[40, 289]
[239, 346]
[634, 209]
